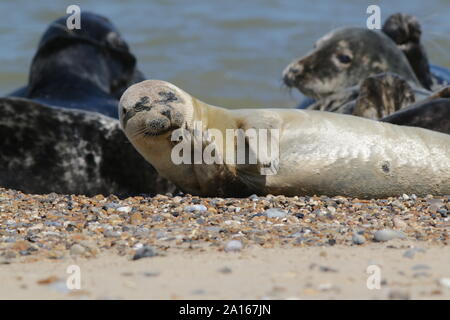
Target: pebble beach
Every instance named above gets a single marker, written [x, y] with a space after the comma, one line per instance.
[52, 229]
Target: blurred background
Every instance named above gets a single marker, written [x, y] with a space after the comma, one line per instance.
[229, 53]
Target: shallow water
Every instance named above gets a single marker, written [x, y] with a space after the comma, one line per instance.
[228, 53]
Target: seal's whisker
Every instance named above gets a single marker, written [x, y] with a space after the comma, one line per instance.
[285, 88]
[139, 132]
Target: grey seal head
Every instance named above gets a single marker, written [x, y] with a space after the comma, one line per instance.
[342, 59]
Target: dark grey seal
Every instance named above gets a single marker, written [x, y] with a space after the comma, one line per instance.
[46, 149]
[87, 68]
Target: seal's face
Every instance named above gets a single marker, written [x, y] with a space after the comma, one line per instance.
[153, 108]
[341, 59]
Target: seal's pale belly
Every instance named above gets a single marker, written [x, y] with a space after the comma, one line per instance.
[333, 154]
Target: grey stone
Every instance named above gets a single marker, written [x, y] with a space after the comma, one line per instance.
[145, 252]
[233, 246]
[388, 234]
[77, 249]
[275, 213]
[195, 207]
[358, 239]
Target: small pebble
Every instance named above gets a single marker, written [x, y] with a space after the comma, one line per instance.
[410, 253]
[275, 213]
[444, 282]
[195, 207]
[145, 252]
[399, 223]
[225, 270]
[387, 234]
[358, 239]
[77, 249]
[233, 246]
[124, 209]
[396, 294]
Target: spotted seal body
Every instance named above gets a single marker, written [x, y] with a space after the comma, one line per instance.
[433, 115]
[87, 68]
[46, 149]
[320, 152]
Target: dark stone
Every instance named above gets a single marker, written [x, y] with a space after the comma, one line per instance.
[145, 252]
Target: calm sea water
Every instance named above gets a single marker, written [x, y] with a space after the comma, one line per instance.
[225, 52]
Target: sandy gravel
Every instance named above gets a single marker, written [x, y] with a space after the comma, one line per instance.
[184, 247]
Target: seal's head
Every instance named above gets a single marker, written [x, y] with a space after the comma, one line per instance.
[342, 59]
[96, 52]
[403, 28]
[152, 109]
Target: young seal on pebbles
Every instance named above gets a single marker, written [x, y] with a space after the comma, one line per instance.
[87, 68]
[319, 152]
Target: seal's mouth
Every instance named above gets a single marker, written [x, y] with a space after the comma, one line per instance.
[157, 127]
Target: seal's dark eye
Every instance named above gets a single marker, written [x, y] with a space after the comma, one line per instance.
[343, 58]
[124, 111]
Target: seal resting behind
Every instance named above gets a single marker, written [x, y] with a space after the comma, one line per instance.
[428, 114]
[319, 152]
[87, 68]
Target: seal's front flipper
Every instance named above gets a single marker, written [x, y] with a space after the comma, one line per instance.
[405, 31]
[382, 95]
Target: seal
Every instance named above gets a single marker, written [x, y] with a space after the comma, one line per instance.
[87, 68]
[319, 152]
[343, 58]
[405, 31]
